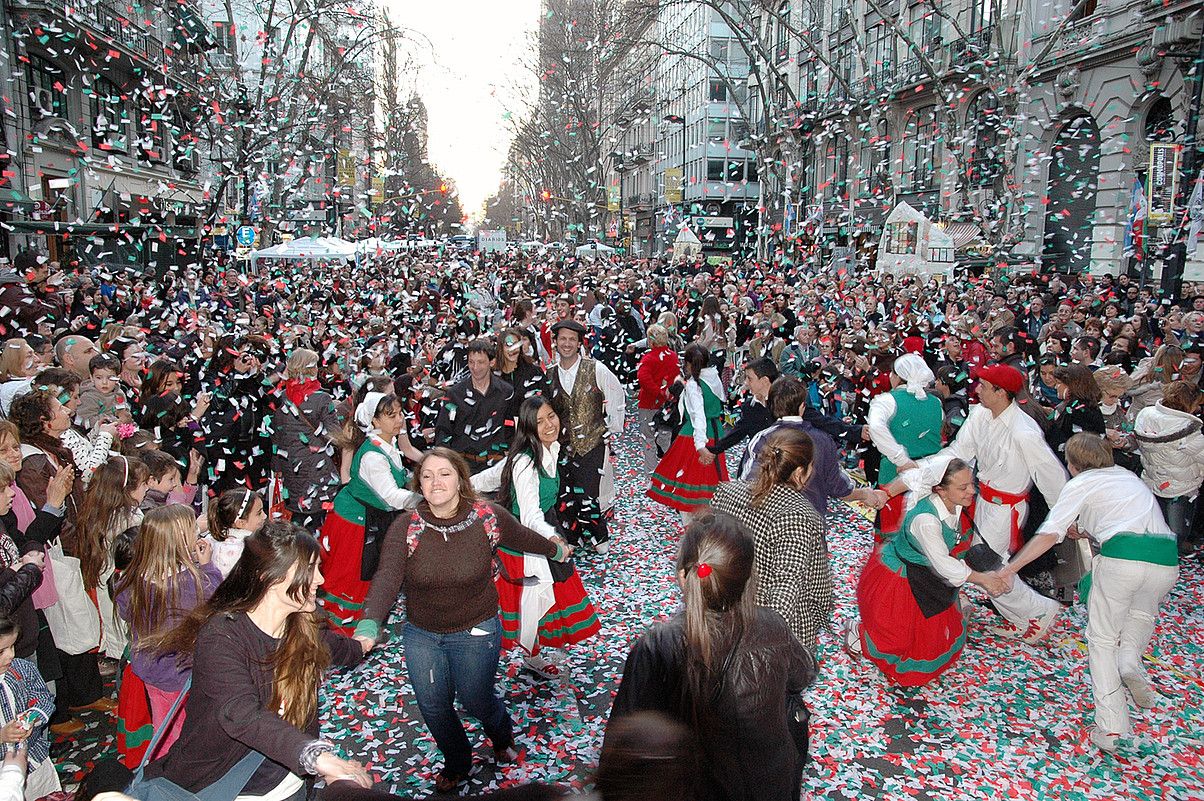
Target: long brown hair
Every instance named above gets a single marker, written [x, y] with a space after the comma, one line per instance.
[105, 511]
[30, 412]
[718, 604]
[162, 551]
[784, 452]
[231, 506]
[297, 665]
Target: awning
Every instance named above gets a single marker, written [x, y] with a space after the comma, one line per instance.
[16, 200]
[964, 234]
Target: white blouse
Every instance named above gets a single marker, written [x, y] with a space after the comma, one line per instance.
[525, 485]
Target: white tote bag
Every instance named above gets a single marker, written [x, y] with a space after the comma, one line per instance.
[73, 619]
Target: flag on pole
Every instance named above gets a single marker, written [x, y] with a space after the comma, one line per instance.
[1195, 214]
[1136, 222]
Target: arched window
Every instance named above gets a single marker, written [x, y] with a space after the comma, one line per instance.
[875, 159]
[1160, 122]
[110, 117]
[983, 121]
[921, 153]
[1070, 211]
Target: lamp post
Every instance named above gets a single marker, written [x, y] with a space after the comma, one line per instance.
[620, 166]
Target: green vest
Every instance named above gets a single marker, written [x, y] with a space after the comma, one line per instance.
[355, 495]
[549, 490]
[712, 408]
[916, 426]
[902, 548]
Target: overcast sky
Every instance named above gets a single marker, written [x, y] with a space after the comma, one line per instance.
[468, 82]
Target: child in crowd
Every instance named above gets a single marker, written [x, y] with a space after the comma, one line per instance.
[111, 505]
[103, 400]
[169, 575]
[25, 708]
[234, 516]
[164, 485]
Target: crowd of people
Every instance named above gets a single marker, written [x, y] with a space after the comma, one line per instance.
[217, 484]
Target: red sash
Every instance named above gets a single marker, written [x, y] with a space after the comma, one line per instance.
[1000, 498]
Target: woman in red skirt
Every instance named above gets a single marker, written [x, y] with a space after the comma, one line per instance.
[911, 624]
[542, 604]
[355, 527]
[689, 473]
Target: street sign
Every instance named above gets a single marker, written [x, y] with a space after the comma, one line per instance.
[1163, 181]
[489, 241]
[246, 236]
[613, 198]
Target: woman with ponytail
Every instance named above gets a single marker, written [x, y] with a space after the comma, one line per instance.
[792, 563]
[257, 653]
[727, 669]
[688, 474]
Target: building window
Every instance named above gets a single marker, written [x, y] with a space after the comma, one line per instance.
[808, 84]
[110, 117]
[982, 15]
[716, 129]
[920, 151]
[45, 100]
[1083, 10]
[718, 91]
[875, 160]
[983, 119]
[226, 35]
[781, 44]
[153, 129]
[844, 62]
[925, 27]
[715, 170]
[1160, 122]
[880, 56]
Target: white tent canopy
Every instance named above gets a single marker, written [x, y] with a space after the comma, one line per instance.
[321, 248]
[687, 243]
[374, 244]
[594, 249]
[912, 245]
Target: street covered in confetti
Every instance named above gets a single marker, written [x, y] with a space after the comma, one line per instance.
[613, 400]
[1008, 721]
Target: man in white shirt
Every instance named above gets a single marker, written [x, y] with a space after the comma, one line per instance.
[1009, 451]
[1136, 568]
[590, 402]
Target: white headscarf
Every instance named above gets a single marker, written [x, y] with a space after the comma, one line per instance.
[915, 374]
[367, 409]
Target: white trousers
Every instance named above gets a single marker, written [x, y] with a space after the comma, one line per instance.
[1121, 609]
[994, 524]
[1022, 603]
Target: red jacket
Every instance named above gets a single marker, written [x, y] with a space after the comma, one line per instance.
[658, 370]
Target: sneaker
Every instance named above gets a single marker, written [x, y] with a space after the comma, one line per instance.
[1143, 694]
[541, 666]
[850, 638]
[1104, 742]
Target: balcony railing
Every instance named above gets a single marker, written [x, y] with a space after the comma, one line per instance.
[108, 19]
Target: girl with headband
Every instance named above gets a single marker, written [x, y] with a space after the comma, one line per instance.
[234, 516]
[355, 527]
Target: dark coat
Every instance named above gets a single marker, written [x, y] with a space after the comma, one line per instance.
[747, 752]
[303, 451]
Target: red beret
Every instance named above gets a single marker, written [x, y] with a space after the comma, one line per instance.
[914, 345]
[1002, 376]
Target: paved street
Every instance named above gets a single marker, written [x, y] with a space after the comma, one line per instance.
[1007, 721]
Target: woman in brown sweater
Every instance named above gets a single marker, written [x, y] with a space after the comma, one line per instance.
[441, 557]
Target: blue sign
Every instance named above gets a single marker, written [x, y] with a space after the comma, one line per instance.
[245, 236]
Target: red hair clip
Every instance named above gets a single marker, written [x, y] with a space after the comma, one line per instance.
[704, 570]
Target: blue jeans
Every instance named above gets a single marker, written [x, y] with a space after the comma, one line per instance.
[1179, 513]
[463, 664]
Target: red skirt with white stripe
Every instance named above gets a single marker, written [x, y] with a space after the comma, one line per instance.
[910, 649]
[343, 592]
[571, 618]
[684, 483]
